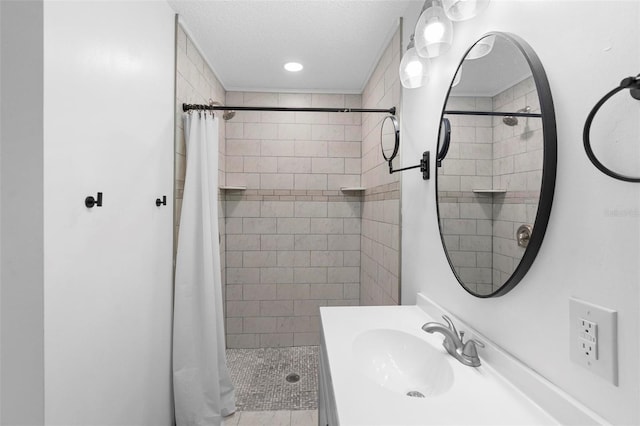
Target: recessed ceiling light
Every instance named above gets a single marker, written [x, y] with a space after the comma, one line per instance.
[293, 66]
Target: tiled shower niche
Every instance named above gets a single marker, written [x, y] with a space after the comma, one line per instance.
[489, 185]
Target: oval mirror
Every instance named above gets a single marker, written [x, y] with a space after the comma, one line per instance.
[495, 180]
[389, 138]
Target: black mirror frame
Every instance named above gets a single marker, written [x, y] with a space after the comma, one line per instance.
[445, 126]
[549, 165]
[396, 131]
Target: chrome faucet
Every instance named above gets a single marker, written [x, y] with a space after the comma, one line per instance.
[465, 352]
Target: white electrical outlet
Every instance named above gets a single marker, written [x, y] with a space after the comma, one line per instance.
[588, 350]
[594, 338]
[588, 339]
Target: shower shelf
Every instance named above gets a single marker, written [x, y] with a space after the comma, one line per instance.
[489, 191]
[352, 188]
[233, 188]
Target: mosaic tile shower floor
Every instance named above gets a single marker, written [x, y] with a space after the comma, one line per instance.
[259, 376]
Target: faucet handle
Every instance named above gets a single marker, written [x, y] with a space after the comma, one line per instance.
[470, 352]
[477, 342]
[470, 346]
[450, 324]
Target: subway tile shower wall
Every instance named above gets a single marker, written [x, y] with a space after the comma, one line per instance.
[293, 241]
[380, 241]
[195, 84]
[292, 237]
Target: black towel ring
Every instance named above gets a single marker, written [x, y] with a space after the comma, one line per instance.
[632, 83]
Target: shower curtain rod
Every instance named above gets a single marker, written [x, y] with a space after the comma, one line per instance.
[187, 107]
[496, 113]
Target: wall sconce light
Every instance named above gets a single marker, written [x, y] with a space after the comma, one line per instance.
[434, 30]
[461, 10]
[414, 69]
[433, 36]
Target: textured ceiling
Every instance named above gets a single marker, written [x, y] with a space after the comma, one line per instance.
[248, 41]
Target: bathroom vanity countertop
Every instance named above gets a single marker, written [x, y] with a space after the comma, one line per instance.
[477, 396]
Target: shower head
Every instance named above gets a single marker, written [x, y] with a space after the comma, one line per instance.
[510, 120]
[227, 114]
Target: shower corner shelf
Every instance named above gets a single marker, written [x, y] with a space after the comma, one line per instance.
[489, 191]
[352, 188]
[233, 188]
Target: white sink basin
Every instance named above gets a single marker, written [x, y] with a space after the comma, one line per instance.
[402, 363]
[372, 356]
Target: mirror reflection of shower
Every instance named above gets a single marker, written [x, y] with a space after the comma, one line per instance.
[511, 120]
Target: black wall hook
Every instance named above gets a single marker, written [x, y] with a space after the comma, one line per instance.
[90, 201]
[162, 202]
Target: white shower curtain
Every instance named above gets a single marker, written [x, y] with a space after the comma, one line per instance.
[203, 392]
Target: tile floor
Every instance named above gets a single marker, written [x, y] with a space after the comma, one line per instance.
[259, 376]
[273, 418]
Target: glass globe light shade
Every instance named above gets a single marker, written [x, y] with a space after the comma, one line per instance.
[482, 48]
[434, 31]
[461, 10]
[414, 69]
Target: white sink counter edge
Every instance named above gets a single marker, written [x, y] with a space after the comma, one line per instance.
[560, 405]
[526, 397]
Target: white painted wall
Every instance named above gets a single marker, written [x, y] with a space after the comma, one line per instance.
[0, 223]
[21, 214]
[108, 126]
[590, 251]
